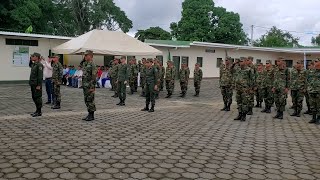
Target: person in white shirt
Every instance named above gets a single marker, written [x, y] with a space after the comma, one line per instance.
[47, 75]
[77, 78]
[104, 76]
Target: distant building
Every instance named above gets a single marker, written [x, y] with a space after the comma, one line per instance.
[15, 50]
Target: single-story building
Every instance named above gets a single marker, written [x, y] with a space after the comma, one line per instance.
[15, 50]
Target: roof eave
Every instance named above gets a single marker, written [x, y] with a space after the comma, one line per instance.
[166, 45]
[4, 33]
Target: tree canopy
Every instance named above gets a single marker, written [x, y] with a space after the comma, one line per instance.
[276, 38]
[156, 33]
[316, 40]
[62, 17]
[202, 21]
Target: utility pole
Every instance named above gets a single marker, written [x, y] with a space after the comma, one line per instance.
[251, 43]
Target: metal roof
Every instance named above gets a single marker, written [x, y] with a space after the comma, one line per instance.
[6, 33]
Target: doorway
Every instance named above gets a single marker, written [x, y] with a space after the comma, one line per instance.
[176, 62]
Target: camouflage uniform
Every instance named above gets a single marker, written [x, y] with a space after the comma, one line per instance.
[57, 74]
[133, 75]
[159, 71]
[183, 76]
[281, 82]
[259, 76]
[313, 87]
[197, 75]
[89, 80]
[308, 71]
[170, 78]
[143, 79]
[163, 72]
[251, 99]
[267, 85]
[36, 78]
[243, 86]
[298, 88]
[114, 77]
[188, 76]
[226, 83]
[123, 75]
[152, 79]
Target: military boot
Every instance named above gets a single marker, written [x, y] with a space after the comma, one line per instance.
[243, 117]
[169, 95]
[146, 108]
[277, 116]
[258, 104]
[298, 113]
[37, 113]
[56, 106]
[183, 95]
[85, 118]
[280, 115]
[123, 103]
[265, 109]
[152, 108]
[318, 120]
[308, 111]
[268, 110]
[119, 104]
[295, 112]
[239, 117]
[250, 111]
[225, 106]
[90, 116]
[314, 118]
[228, 107]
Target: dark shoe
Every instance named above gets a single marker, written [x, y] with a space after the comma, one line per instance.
[294, 114]
[56, 107]
[168, 96]
[49, 102]
[183, 95]
[314, 118]
[224, 108]
[85, 118]
[318, 121]
[123, 103]
[239, 117]
[268, 110]
[308, 112]
[280, 115]
[90, 117]
[33, 113]
[113, 96]
[264, 110]
[151, 109]
[119, 104]
[37, 114]
[145, 109]
[298, 113]
[243, 117]
[250, 112]
[257, 105]
[227, 108]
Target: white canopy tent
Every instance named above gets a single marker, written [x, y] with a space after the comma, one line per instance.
[103, 42]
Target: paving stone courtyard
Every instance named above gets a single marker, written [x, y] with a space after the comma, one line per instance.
[183, 139]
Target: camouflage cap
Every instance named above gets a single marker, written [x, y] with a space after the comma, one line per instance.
[228, 58]
[88, 52]
[300, 62]
[250, 58]
[35, 54]
[269, 62]
[169, 61]
[280, 58]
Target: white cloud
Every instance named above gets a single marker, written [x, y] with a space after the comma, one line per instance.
[301, 18]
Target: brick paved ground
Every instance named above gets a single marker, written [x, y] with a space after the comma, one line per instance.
[184, 139]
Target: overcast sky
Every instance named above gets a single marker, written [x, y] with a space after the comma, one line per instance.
[301, 18]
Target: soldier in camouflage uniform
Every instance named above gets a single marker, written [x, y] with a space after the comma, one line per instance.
[243, 87]
[89, 81]
[170, 78]
[163, 73]
[281, 87]
[298, 87]
[114, 77]
[313, 83]
[35, 82]
[152, 84]
[197, 76]
[143, 77]
[253, 69]
[57, 74]
[156, 64]
[226, 83]
[259, 76]
[123, 77]
[133, 75]
[267, 85]
[183, 76]
[136, 78]
[309, 69]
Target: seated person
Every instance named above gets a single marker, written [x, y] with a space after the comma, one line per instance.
[76, 77]
[104, 76]
[65, 74]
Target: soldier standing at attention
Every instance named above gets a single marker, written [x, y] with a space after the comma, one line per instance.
[183, 76]
[89, 81]
[298, 87]
[57, 74]
[123, 77]
[309, 70]
[226, 83]
[243, 86]
[156, 64]
[114, 77]
[268, 78]
[259, 85]
[253, 69]
[133, 72]
[163, 72]
[281, 87]
[314, 92]
[136, 75]
[170, 78]
[35, 82]
[152, 82]
[197, 76]
[143, 77]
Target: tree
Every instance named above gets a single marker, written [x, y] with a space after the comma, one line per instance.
[156, 33]
[202, 21]
[62, 17]
[276, 38]
[316, 40]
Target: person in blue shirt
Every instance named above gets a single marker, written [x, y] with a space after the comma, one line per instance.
[72, 71]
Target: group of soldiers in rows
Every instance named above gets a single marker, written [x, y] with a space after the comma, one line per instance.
[271, 84]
